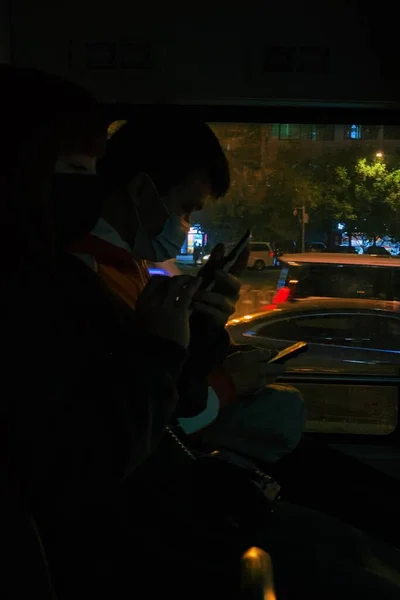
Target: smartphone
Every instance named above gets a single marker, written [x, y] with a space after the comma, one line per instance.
[288, 353]
[207, 272]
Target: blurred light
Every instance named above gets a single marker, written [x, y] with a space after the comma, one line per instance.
[269, 307]
[156, 271]
[246, 318]
[379, 155]
[114, 127]
[253, 553]
[282, 295]
[340, 226]
[257, 574]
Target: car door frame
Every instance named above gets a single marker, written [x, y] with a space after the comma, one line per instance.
[325, 312]
[293, 378]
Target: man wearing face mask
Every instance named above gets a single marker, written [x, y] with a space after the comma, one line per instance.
[142, 221]
[155, 174]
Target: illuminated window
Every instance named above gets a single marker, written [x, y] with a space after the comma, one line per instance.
[361, 132]
[352, 132]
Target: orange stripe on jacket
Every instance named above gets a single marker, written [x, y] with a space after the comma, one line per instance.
[123, 275]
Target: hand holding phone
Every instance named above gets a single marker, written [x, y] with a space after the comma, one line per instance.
[250, 370]
[219, 289]
[219, 262]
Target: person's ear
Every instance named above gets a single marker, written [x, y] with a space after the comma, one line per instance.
[141, 189]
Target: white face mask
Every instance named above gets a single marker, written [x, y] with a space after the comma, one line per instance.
[167, 244]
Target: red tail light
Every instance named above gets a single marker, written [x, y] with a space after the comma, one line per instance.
[271, 254]
[281, 295]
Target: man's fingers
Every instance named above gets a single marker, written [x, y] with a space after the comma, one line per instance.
[228, 282]
[153, 293]
[191, 289]
[241, 263]
[217, 254]
[215, 314]
[156, 282]
[181, 290]
[214, 299]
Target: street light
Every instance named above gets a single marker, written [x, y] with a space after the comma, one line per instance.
[379, 154]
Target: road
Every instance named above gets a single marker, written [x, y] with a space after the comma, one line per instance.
[257, 290]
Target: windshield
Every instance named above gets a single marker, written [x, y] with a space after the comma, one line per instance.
[331, 192]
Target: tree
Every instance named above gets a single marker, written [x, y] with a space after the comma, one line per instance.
[393, 198]
[362, 192]
[342, 185]
[247, 203]
[295, 181]
[369, 184]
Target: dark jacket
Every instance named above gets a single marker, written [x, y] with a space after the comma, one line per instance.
[86, 397]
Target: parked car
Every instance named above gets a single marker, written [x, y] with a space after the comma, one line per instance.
[359, 276]
[349, 376]
[262, 255]
[345, 249]
[377, 251]
[316, 247]
[344, 335]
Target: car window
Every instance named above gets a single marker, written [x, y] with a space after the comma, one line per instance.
[258, 247]
[348, 281]
[377, 333]
[388, 334]
[319, 329]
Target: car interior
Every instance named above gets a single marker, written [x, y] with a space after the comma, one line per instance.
[231, 67]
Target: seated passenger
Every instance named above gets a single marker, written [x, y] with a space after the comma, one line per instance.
[84, 405]
[155, 174]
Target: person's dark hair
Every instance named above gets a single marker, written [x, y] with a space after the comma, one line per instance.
[43, 116]
[169, 151]
[32, 100]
